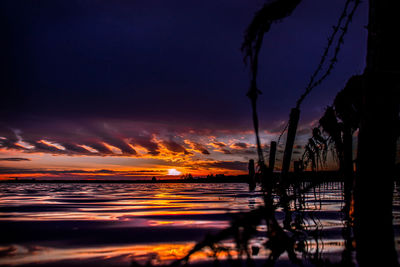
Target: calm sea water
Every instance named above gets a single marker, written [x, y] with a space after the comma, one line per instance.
[115, 224]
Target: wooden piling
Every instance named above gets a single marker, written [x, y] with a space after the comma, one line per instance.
[252, 172]
[373, 196]
[272, 153]
[297, 166]
[291, 135]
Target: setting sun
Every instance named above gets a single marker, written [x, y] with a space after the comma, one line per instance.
[173, 172]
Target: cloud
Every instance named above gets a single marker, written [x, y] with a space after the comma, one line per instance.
[120, 144]
[43, 147]
[197, 147]
[101, 148]
[218, 144]
[7, 133]
[224, 151]
[174, 147]
[109, 136]
[8, 139]
[147, 142]
[240, 145]
[14, 159]
[76, 149]
[5, 170]
[229, 165]
[251, 151]
[9, 144]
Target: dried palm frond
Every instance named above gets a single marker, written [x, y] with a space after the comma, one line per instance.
[261, 23]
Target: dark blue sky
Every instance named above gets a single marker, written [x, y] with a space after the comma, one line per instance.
[165, 60]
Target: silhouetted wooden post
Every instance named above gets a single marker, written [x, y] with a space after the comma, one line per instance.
[348, 164]
[297, 166]
[347, 151]
[374, 180]
[291, 135]
[272, 153]
[252, 173]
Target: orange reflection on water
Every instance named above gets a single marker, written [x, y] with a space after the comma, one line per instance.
[158, 222]
[157, 253]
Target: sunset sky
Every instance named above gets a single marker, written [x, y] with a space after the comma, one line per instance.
[133, 89]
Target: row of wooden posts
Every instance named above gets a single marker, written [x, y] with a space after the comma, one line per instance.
[287, 155]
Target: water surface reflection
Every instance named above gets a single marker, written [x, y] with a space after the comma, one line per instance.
[108, 224]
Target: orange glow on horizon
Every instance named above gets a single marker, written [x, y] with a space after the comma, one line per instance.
[198, 157]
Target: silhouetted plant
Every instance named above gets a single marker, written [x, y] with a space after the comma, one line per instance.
[339, 120]
[315, 151]
[348, 102]
[291, 236]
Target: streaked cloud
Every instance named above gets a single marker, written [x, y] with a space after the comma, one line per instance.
[4, 170]
[14, 159]
[240, 145]
[197, 147]
[218, 144]
[229, 165]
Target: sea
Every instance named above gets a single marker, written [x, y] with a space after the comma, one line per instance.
[104, 224]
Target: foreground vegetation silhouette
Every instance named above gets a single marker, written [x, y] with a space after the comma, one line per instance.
[369, 103]
[295, 235]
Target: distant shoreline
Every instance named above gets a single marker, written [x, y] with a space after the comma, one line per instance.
[226, 179]
[327, 176]
[115, 181]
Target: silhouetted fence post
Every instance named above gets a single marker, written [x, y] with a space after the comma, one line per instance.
[272, 153]
[298, 166]
[347, 152]
[291, 135]
[373, 194]
[348, 164]
[252, 174]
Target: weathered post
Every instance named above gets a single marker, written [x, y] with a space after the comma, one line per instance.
[291, 135]
[348, 164]
[297, 166]
[252, 178]
[373, 195]
[272, 153]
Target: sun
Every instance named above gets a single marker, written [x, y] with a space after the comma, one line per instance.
[173, 172]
